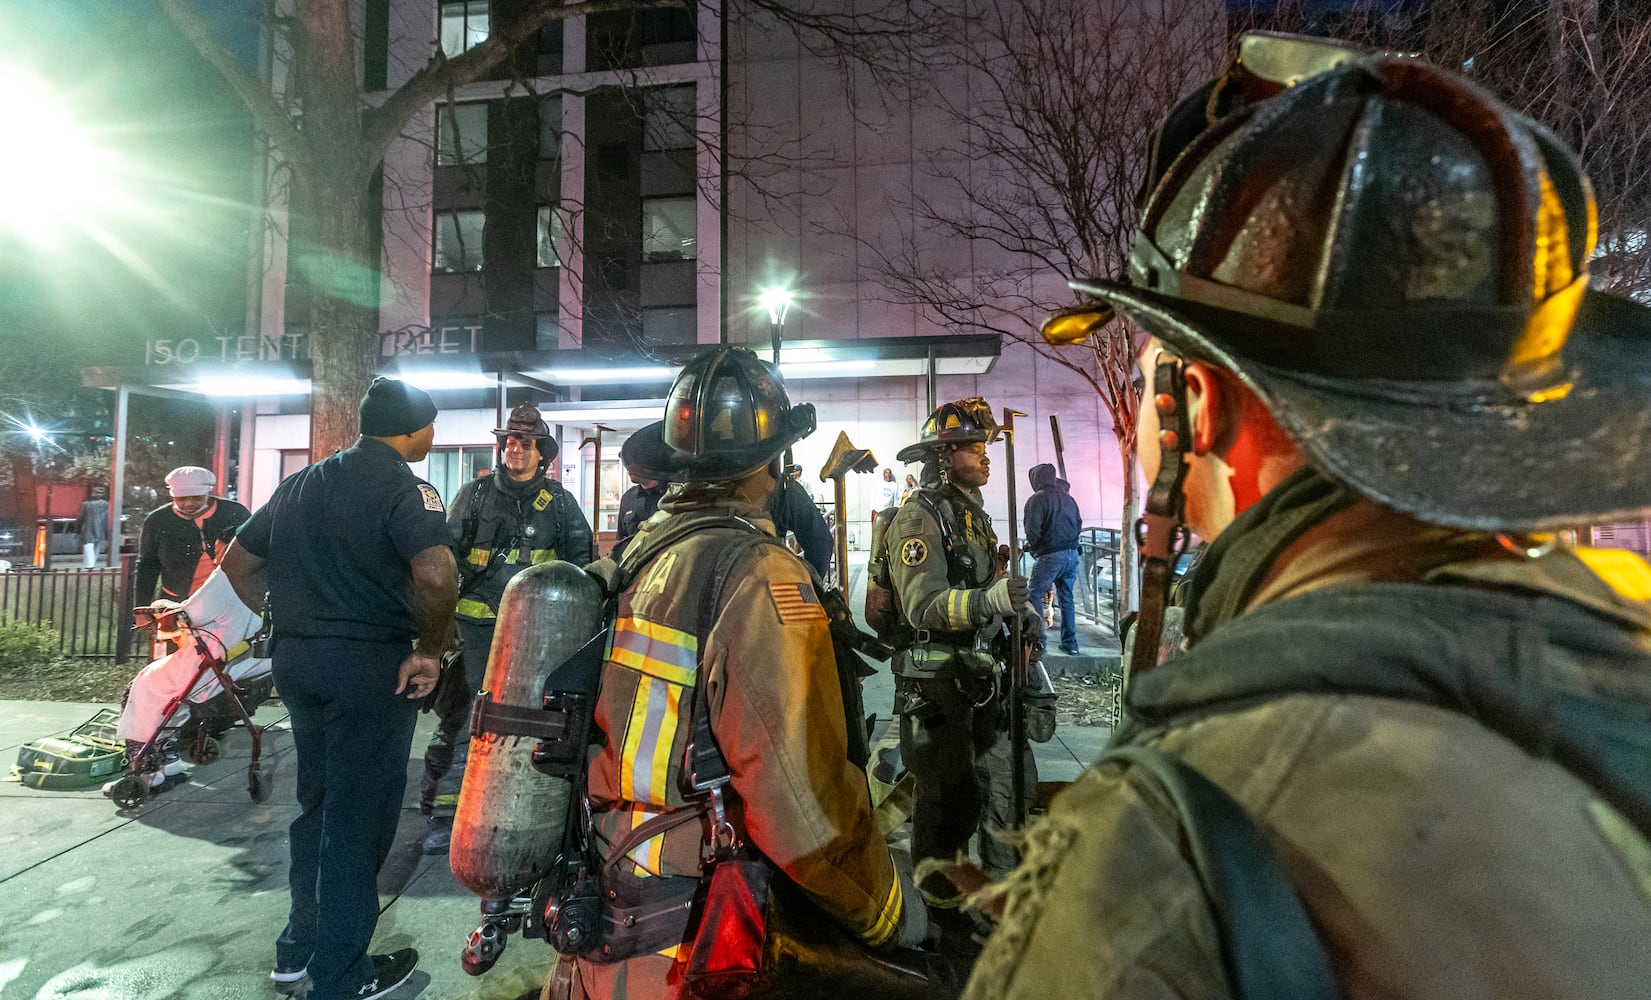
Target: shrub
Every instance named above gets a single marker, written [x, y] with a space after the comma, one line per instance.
[26, 646]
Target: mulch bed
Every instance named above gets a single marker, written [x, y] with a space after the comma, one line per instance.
[70, 680]
[1089, 700]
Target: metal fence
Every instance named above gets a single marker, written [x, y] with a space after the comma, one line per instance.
[91, 609]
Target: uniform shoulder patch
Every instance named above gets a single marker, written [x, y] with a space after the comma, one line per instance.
[432, 499]
[797, 602]
[914, 552]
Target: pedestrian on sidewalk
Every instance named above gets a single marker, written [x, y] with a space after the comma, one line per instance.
[353, 553]
[1053, 525]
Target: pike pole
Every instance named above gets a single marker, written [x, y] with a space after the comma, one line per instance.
[1060, 448]
[1016, 671]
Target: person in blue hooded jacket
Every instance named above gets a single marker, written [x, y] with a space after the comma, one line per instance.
[1053, 524]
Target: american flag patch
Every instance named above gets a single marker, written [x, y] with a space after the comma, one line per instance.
[797, 602]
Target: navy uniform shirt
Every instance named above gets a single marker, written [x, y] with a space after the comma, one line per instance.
[339, 537]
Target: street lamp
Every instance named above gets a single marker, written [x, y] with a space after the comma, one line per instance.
[776, 301]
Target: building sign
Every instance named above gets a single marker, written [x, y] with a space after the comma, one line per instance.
[285, 347]
[412, 341]
[225, 350]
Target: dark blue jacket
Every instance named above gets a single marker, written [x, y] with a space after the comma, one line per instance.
[1052, 521]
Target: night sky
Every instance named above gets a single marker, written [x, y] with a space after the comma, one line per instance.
[139, 91]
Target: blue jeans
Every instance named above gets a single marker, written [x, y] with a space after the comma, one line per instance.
[353, 735]
[1060, 569]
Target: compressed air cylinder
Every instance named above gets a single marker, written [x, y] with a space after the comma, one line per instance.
[511, 816]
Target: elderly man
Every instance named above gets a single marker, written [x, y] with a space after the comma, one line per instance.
[354, 555]
[1377, 383]
[181, 543]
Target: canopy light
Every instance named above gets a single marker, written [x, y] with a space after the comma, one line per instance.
[606, 376]
[246, 385]
[435, 381]
[818, 369]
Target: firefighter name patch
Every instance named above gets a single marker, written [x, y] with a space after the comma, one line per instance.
[797, 602]
[913, 551]
[432, 499]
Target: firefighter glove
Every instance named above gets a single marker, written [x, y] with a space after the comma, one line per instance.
[1007, 594]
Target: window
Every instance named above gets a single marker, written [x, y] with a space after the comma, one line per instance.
[669, 229]
[670, 325]
[459, 241]
[463, 25]
[462, 134]
[550, 127]
[550, 238]
[450, 468]
[667, 118]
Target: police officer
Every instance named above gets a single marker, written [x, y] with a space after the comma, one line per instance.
[640, 501]
[749, 650]
[500, 524]
[181, 542]
[793, 511]
[354, 555]
[949, 668]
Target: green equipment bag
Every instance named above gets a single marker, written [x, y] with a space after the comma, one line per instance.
[87, 757]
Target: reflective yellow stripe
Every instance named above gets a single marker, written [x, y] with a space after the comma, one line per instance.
[471, 608]
[1624, 572]
[479, 557]
[889, 918]
[543, 556]
[957, 608]
[646, 855]
[645, 762]
[662, 633]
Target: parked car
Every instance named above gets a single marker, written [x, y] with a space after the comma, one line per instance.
[11, 542]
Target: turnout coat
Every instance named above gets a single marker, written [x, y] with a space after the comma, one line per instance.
[1445, 742]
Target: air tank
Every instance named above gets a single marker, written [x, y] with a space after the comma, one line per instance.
[511, 814]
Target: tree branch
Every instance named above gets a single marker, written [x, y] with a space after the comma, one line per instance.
[266, 112]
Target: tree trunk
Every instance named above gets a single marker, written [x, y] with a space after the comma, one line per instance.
[343, 314]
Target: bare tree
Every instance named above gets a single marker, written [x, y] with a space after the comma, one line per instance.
[332, 136]
[1063, 95]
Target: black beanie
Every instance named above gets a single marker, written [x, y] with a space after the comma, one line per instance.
[392, 407]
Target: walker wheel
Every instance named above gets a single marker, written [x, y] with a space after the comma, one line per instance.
[129, 792]
[259, 787]
[204, 750]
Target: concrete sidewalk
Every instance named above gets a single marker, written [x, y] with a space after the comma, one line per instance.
[183, 897]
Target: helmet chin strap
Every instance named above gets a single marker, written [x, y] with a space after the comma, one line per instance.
[1162, 532]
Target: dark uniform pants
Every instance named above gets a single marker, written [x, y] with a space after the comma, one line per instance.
[449, 749]
[958, 750]
[353, 734]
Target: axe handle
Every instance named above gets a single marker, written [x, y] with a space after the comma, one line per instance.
[840, 498]
[1060, 446]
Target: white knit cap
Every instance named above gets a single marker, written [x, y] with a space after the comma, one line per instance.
[190, 481]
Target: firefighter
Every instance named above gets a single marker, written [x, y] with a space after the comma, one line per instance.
[951, 648]
[751, 649]
[1379, 381]
[501, 523]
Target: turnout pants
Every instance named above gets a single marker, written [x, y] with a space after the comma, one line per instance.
[449, 748]
[958, 750]
[353, 735]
